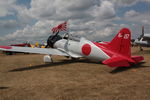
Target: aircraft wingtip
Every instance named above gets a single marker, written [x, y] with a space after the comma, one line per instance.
[6, 47]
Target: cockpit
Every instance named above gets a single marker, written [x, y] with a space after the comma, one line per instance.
[56, 37]
[52, 39]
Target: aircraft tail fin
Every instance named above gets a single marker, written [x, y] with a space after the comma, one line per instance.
[122, 42]
[142, 30]
[121, 45]
[141, 36]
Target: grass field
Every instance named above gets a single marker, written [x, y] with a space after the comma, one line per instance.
[26, 77]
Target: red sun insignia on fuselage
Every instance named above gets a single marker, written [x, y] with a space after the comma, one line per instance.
[86, 49]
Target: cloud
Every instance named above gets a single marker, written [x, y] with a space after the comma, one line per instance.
[8, 24]
[104, 11]
[131, 13]
[93, 19]
[58, 9]
[9, 16]
[104, 32]
[136, 17]
[120, 3]
[127, 3]
[69, 9]
[7, 7]
[147, 0]
[83, 15]
[23, 14]
[41, 28]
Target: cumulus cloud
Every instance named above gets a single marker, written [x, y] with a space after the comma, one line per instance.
[70, 9]
[90, 18]
[133, 16]
[127, 3]
[120, 3]
[83, 15]
[104, 11]
[7, 24]
[147, 0]
[131, 13]
[104, 32]
[58, 9]
[23, 14]
[41, 28]
[7, 7]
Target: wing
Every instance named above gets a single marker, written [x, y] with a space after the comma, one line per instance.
[147, 36]
[50, 51]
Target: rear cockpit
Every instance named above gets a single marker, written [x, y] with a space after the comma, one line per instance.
[52, 39]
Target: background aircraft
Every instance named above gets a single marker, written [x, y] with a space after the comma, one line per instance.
[143, 40]
[116, 53]
[26, 44]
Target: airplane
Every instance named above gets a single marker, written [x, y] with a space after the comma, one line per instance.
[143, 40]
[116, 53]
[26, 44]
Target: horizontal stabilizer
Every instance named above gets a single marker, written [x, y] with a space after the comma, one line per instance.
[137, 58]
[116, 62]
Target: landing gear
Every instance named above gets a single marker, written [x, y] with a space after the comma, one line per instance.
[75, 58]
[48, 59]
[141, 49]
[8, 53]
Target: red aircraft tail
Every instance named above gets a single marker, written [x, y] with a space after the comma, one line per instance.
[122, 42]
[121, 46]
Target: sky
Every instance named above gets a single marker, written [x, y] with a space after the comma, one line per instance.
[98, 20]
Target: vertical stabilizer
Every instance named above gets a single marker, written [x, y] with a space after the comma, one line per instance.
[122, 42]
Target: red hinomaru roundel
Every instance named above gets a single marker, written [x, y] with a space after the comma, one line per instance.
[86, 49]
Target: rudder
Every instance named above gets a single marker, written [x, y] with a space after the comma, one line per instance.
[122, 42]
